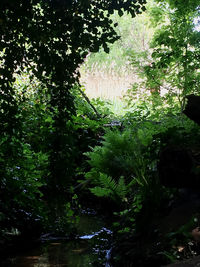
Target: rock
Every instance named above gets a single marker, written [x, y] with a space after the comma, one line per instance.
[175, 167]
[196, 234]
[192, 109]
[183, 211]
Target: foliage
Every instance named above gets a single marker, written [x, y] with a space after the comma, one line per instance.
[180, 244]
[47, 40]
[133, 153]
[168, 69]
[120, 155]
[96, 110]
[126, 161]
[154, 122]
[134, 33]
[49, 128]
[108, 187]
[173, 65]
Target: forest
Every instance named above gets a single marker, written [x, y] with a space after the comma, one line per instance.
[87, 180]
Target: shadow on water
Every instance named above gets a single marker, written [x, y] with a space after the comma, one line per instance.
[90, 248]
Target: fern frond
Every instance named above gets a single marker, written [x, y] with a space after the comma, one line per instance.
[121, 188]
[108, 187]
[101, 192]
[107, 182]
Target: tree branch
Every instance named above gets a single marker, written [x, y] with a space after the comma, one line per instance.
[88, 101]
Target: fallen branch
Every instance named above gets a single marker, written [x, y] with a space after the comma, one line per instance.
[88, 101]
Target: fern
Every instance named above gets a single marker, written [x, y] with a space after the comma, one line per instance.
[107, 181]
[121, 154]
[108, 187]
[115, 157]
[121, 188]
[101, 192]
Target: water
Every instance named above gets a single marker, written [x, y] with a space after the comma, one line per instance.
[90, 248]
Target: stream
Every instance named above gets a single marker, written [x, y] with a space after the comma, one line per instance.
[90, 248]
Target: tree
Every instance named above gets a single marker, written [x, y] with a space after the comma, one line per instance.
[176, 50]
[134, 33]
[50, 39]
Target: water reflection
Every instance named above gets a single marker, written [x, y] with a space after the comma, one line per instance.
[90, 249]
[74, 253]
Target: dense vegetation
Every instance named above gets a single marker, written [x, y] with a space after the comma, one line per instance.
[60, 151]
